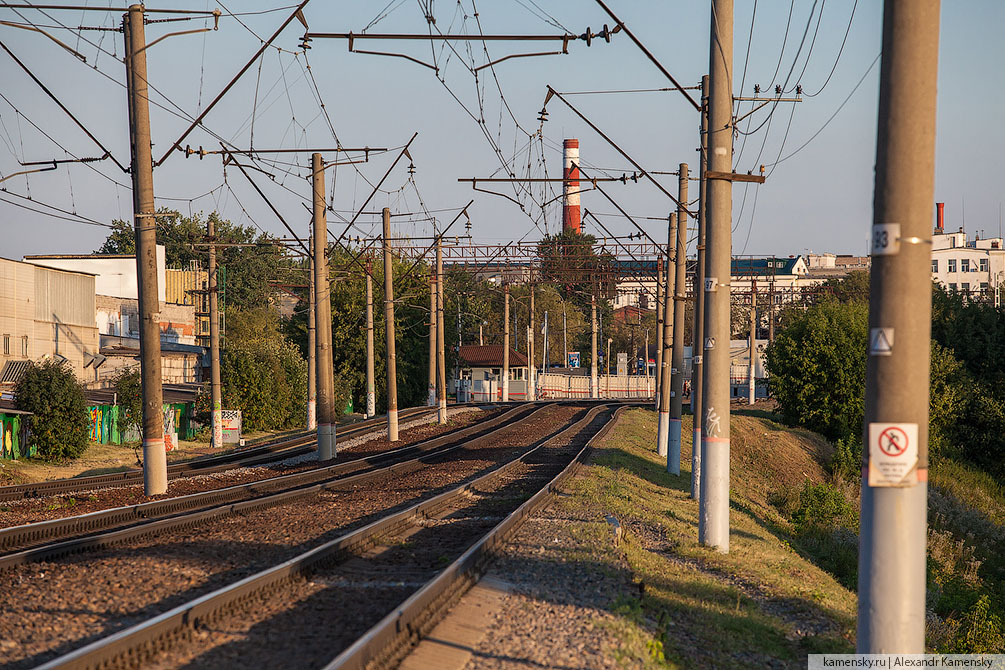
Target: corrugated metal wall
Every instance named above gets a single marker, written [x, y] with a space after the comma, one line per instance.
[64, 297]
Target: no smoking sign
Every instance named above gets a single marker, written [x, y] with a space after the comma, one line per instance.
[893, 454]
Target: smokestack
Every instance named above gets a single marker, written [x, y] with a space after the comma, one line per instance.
[940, 226]
[570, 187]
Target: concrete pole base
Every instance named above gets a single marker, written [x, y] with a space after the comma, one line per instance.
[713, 506]
[326, 441]
[312, 415]
[696, 464]
[442, 415]
[371, 404]
[673, 450]
[392, 425]
[154, 467]
[663, 433]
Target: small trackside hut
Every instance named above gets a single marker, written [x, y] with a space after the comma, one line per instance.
[481, 373]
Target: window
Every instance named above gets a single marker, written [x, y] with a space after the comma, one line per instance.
[984, 288]
[952, 286]
[964, 265]
[965, 286]
[6, 345]
[952, 265]
[984, 265]
[935, 267]
[24, 346]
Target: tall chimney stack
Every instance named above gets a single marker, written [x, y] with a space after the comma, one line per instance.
[570, 187]
[940, 226]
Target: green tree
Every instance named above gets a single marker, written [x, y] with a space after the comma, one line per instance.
[264, 375]
[129, 392]
[570, 260]
[817, 368]
[60, 425]
[248, 271]
[853, 287]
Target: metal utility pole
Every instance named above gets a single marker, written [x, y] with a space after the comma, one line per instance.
[154, 454]
[697, 332]
[371, 395]
[392, 368]
[323, 314]
[505, 368]
[441, 354]
[594, 390]
[679, 298]
[752, 344]
[891, 578]
[531, 337]
[713, 515]
[216, 420]
[659, 329]
[665, 383]
[431, 387]
[312, 365]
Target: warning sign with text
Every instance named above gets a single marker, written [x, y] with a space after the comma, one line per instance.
[893, 454]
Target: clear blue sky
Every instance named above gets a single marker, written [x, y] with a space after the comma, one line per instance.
[819, 199]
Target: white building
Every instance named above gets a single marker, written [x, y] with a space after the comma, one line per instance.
[973, 267]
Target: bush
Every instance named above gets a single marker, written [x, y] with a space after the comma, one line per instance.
[267, 381]
[846, 462]
[60, 425]
[826, 526]
[129, 390]
[817, 368]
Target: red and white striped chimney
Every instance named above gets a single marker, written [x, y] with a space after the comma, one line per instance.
[940, 226]
[570, 187]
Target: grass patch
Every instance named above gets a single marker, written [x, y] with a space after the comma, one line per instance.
[762, 603]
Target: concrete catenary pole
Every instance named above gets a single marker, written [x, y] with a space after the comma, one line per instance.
[697, 333]
[713, 515]
[565, 338]
[531, 337]
[312, 345]
[505, 367]
[659, 329]
[665, 383]
[154, 454]
[679, 299]
[891, 578]
[392, 368]
[323, 315]
[752, 344]
[216, 420]
[371, 393]
[431, 386]
[441, 352]
[594, 384]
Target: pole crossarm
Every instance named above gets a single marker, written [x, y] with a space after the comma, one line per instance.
[564, 38]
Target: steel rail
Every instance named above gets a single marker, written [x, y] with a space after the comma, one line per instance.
[256, 455]
[44, 540]
[138, 643]
[383, 644]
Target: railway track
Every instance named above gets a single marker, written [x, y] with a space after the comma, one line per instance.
[376, 588]
[47, 539]
[257, 455]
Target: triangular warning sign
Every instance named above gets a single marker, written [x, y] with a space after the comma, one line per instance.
[710, 343]
[881, 342]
